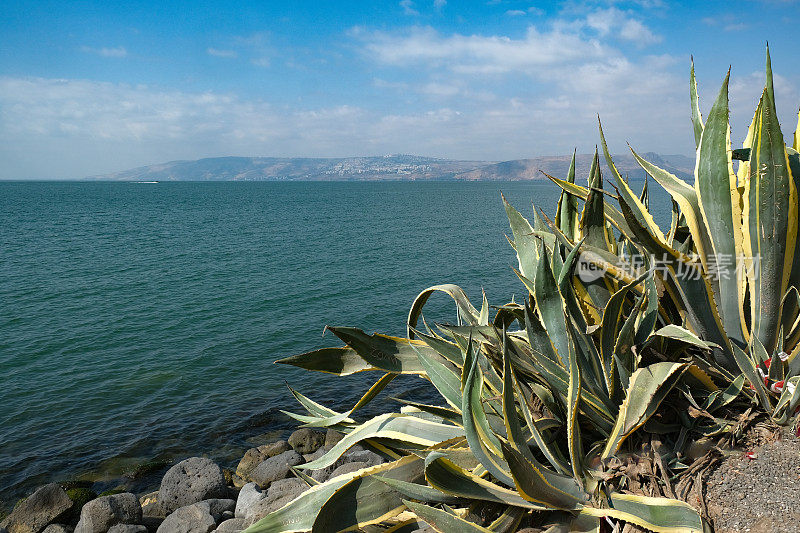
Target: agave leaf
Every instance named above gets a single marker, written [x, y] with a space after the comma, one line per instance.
[593, 223]
[721, 398]
[373, 391]
[419, 492]
[525, 242]
[443, 413]
[482, 440]
[647, 389]
[445, 379]
[447, 477]
[508, 521]
[315, 409]
[574, 444]
[661, 515]
[443, 521]
[749, 369]
[339, 361]
[673, 331]
[449, 350]
[788, 402]
[366, 500]
[466, 311]
[567, 211]
[384, 352]
[770, 220]
[697, 118]
[299, 514]
[396, 426]
[538, 485]
[647, 322]
[613, 215]
[687, 199]
[719, 202]
[510, 418]
[550, 305]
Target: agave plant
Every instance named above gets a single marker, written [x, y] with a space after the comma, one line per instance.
[539, 400]
[729, 265]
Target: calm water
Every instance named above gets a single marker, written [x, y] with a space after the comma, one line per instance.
[142, 320]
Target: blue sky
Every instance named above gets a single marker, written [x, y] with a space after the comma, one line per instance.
[93, 87]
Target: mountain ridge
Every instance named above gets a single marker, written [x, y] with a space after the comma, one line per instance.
[385, 168]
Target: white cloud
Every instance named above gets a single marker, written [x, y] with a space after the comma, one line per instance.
[614, 22]
[261, 61]
[515, 13]
[480, 54]
[408, 7]
[439, 4]
[216, 52]
[118, 51]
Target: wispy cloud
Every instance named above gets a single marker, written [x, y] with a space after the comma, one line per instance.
[408, 7]
[217, 52]
[118, 51]
[516, 13]
[439, 4]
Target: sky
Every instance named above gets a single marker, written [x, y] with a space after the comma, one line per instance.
[94, 87]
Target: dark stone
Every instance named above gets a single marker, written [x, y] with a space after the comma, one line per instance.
[218, 507]
[100, 514]
[255, 456]
[332, 437]
[234, 525]
[287, 487]
[127, 528]
[274, 468]
[190, 481]
[195, 518]
[38, 510]
[306, 440]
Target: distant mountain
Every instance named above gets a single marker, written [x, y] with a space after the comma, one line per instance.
[383, 168]
[390, 167]
[558, 166]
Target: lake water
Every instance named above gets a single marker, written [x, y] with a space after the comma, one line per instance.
[142, 320]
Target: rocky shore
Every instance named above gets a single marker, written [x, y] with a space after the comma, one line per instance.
[195, 495]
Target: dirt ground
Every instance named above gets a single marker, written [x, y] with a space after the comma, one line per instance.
[757, 495]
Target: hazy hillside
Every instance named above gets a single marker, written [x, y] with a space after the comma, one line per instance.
[393, 167]
[558, 166]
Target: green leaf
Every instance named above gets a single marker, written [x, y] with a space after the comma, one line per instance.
[396, 426]
[770, 220]
[366, 500]
[466, 311]
[697, 118]
[525, 242]
[443, 521]
[718, 197]
[647, 388]
[661, 515]
[339, 361]
[482, 440]
[445, 476]
[673, 331]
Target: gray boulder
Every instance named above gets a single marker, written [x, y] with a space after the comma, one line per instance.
[127, 528]
[306, 440]
[348, 468]
[255, 456]
[55, 528]
[234, 525]
[287, 487]
[332, 437]
[364, 456]
[248, 497]
[220, 507]
[38, 510]
[264, 507]
[277, 467]
[195, 518]
[190, 481]
[100, 514]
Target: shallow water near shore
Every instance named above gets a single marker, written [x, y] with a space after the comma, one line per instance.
[141, 320]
